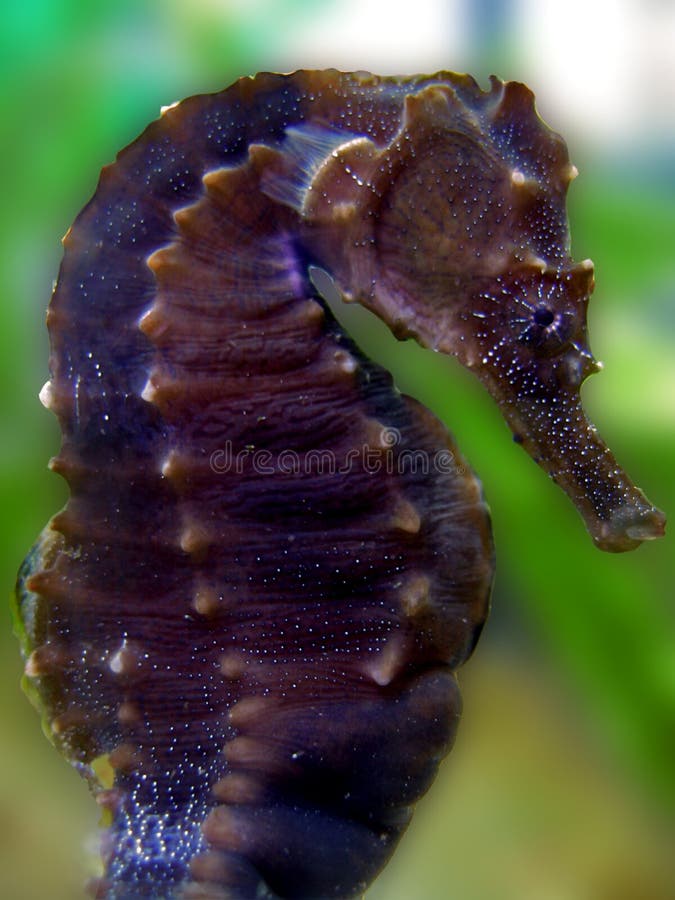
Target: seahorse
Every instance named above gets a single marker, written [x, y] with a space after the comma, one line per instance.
[243, 628]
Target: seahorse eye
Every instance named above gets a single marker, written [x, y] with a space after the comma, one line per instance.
[543, 316]
[547, 324]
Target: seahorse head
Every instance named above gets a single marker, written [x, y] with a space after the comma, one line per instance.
[453, 229]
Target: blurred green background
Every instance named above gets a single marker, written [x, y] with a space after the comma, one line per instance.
[562, 783]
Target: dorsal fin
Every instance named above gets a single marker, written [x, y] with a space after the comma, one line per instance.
[304, 151]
